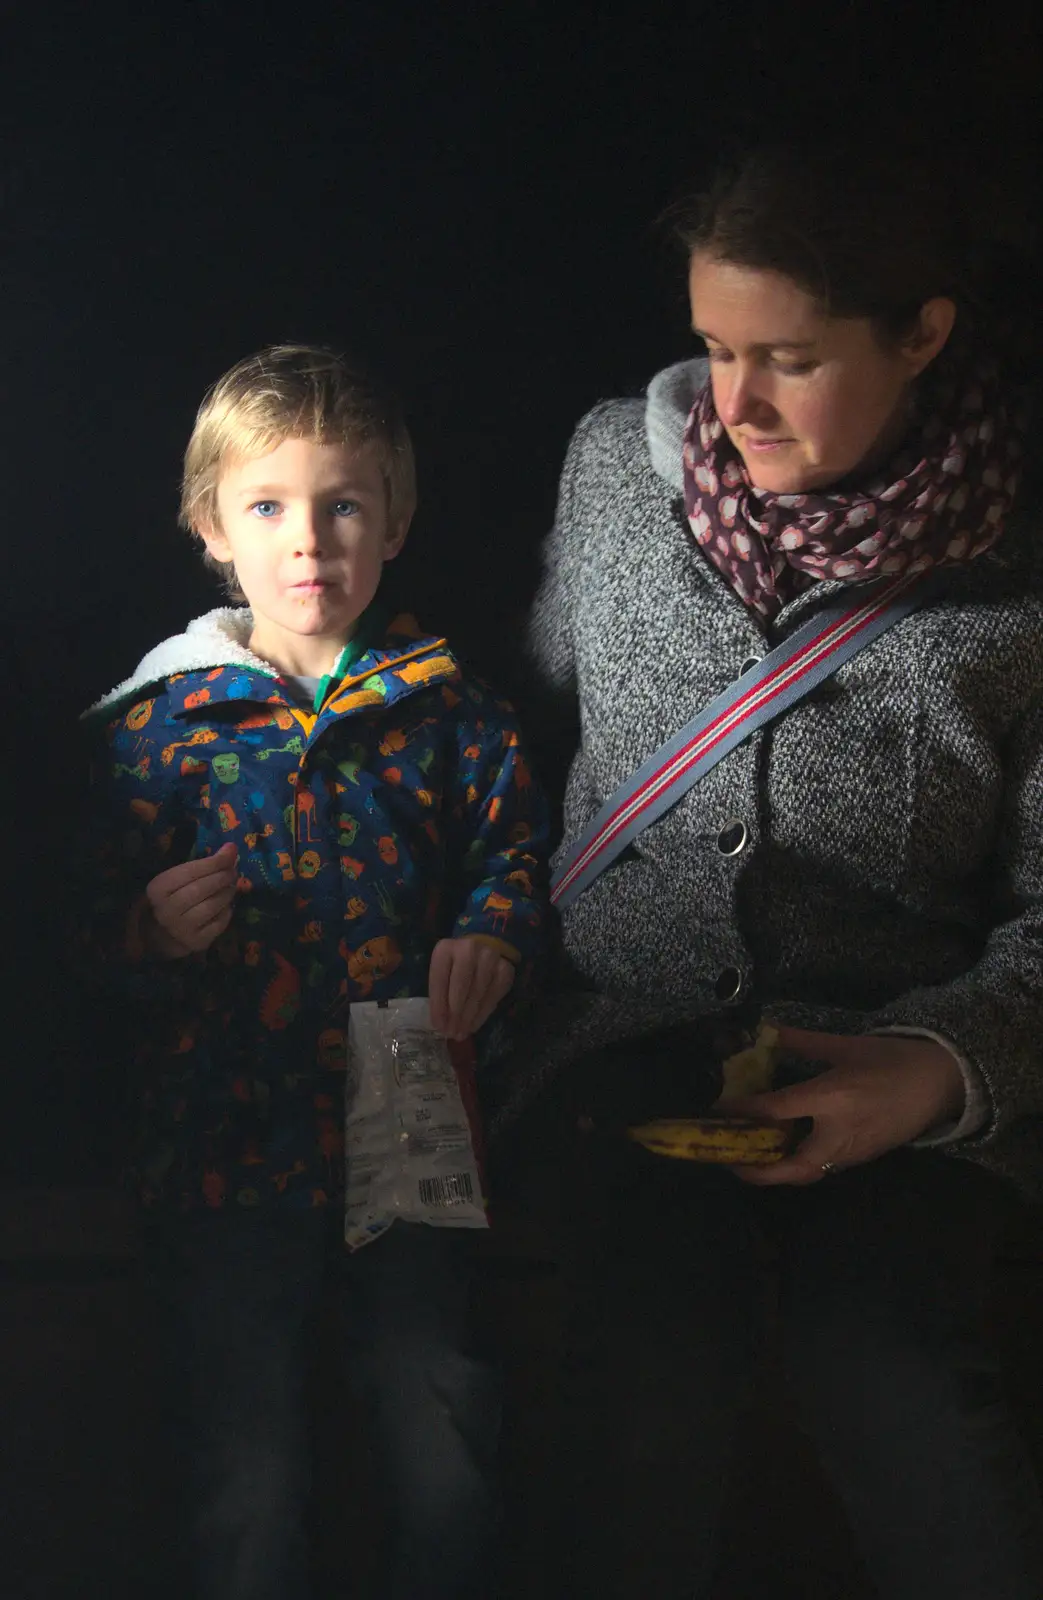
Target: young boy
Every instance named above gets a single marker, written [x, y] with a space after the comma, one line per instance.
[299, 805]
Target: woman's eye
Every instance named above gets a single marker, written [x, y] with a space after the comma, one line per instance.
[795, 369]
[717, 355]
[345, 508]
[265, 508]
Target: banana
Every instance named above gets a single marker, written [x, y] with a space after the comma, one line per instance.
[735, 1141]
[751, 1071]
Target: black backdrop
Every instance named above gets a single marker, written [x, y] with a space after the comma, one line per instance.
[466, 194]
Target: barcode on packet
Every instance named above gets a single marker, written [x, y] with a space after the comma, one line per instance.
[452, 1190]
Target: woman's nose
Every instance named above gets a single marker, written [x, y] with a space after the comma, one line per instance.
[738, 398]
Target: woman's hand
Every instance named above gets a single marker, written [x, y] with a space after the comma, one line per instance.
[467, 981]
[191, 904]
[879, 1091]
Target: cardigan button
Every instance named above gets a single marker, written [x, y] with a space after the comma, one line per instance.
[751, 661]
[729, 984]
[733, 837]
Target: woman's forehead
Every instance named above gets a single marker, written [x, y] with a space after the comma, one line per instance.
[753, 304]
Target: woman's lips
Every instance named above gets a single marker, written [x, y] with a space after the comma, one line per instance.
[763, 446]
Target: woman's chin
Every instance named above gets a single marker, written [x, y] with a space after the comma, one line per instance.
[775, 482]
[779, 477]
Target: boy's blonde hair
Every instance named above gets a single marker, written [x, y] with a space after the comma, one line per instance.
[291, 391]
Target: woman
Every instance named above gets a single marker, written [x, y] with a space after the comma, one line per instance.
[867, 872]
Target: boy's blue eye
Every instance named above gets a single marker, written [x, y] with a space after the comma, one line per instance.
[265, 508]
[345, 508]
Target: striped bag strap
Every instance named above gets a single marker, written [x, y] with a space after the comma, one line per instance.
[781, 678]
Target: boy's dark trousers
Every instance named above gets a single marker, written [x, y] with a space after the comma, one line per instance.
[236, 1293]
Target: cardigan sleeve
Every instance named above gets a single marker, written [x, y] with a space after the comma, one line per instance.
[551, 632]
[992, 1014]
[552, 691]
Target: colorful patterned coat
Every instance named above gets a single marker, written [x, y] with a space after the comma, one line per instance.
[401, 811]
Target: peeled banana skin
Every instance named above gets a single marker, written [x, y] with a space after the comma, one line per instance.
[727, 1141]
[751, 1071]
[723, 1141]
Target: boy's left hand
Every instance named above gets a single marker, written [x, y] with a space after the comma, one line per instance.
[467, 981]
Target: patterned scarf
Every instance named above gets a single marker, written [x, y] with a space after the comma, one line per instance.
[941, 499]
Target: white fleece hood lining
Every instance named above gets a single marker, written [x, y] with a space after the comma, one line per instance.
[218, 639]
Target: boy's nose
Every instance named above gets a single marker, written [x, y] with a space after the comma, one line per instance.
[308, 536]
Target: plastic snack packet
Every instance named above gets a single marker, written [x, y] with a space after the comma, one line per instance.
[412, 1141]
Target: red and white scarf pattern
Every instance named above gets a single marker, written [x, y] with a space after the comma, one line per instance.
[941, 500]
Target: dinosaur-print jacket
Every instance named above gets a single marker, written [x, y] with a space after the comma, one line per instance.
[399, 811]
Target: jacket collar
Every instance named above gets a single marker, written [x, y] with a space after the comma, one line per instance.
[211, 663]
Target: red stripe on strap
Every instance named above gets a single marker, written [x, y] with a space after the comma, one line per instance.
[755, 698]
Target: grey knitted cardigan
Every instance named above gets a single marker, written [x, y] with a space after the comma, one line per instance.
[892, 873]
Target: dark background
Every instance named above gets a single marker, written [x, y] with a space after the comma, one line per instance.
[467, 195]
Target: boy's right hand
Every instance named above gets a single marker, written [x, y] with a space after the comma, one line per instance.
[191, 905]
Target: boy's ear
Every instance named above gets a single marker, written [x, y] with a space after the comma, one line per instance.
[215, 541]
[395, 536]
